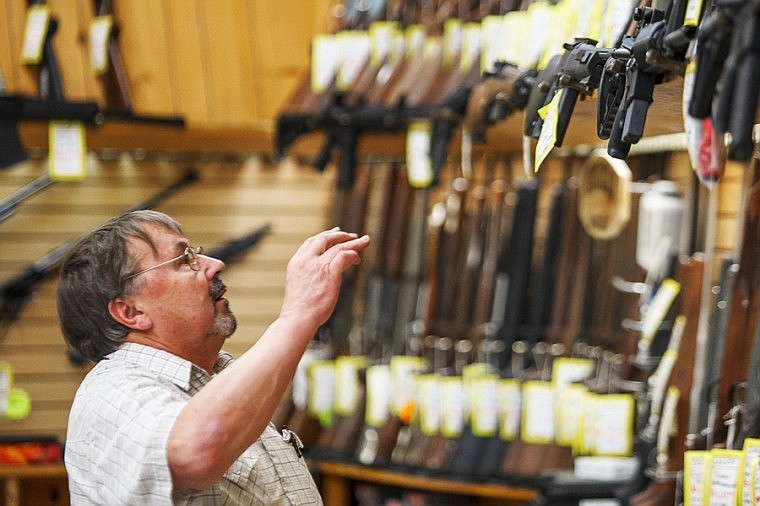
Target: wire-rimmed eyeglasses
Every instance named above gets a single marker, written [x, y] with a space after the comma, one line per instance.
[189, 256]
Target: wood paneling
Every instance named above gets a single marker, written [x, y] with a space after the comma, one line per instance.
[228, 63]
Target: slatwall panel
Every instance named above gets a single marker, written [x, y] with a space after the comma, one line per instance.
[231, 199]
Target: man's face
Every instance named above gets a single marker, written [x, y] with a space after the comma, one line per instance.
[184, 300]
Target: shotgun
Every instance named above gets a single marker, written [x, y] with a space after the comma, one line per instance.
[669, 462]
[743, 311]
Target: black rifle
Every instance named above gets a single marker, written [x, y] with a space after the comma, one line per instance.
[579, 77]
[50, 105]
[233, 249]
[658, 48]
[15, 292]
[738, 97]
[8, 204]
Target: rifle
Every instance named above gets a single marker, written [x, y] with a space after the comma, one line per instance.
[515, 264]
[738, 98]
[16, 291]
[742, 315]
[658, 48]
[349, 212]
[115, 81]
[50, 105]
[381, 296]
[306, 104]
[8, 204]
[578, 78]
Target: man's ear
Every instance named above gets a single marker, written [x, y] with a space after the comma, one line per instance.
[128, 315]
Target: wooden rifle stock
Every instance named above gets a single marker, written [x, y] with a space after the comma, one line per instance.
[743, 312]
[689, 272]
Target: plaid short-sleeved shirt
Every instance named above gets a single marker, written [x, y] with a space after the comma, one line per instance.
[118, 430]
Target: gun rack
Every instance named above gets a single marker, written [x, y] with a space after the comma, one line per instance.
[338, 478]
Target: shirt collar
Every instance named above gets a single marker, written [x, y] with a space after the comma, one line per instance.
[181, 372]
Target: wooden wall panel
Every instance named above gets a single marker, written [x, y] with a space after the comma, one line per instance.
[224, 63]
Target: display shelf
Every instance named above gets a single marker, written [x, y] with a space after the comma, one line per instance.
[337, 479]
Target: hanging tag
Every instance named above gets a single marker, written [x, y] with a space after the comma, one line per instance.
[355, 53]
[485, 414]
[656, 312]
[538, 414]
[300, 389]
[415, 40]
[510, 409]
[472, 42]
[617, 14]
[613, 425]
[567, 370]
[418, 163]
[755, 465]
[695, 470]
[378, 395]
[322, 391]
[347, 384]
[404, 369]
[692, 13]
[470, 374]
[429, 400]
[68, 149]
[514, 41]
[100, 37]
[540, 15]
[6, 384]
[724, 485]
[35, 32]
[452, 407]
[381, 36]
[751, 451]
[453, 34]
[570, 414]
[590, 24]
[325, 55]
[550, 114]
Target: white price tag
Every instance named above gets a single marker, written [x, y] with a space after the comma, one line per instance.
[68, 150]
[378, 394]
[100, 36]
[35, 33]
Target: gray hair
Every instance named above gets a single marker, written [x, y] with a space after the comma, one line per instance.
[93, 274]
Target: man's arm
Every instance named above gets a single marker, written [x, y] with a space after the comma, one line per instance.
[231, 412]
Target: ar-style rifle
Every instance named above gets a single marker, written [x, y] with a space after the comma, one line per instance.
[656, 50]
[51, 104]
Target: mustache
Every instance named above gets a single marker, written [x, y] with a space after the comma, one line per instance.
[216, 288]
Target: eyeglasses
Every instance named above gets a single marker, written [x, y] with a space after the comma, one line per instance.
[189, 256]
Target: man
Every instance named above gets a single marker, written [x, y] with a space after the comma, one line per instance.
[166, 417]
